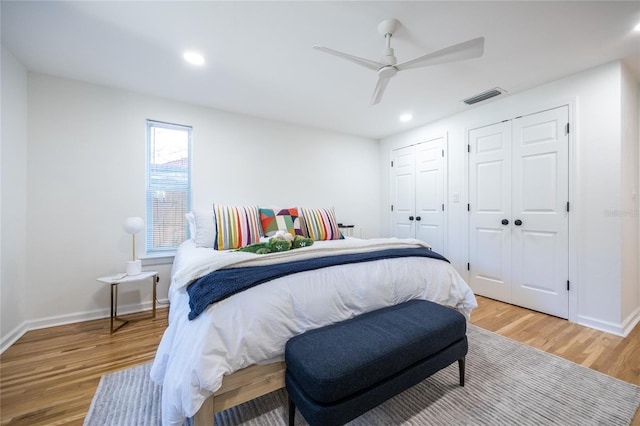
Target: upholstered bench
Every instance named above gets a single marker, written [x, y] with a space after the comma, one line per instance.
[338, 372]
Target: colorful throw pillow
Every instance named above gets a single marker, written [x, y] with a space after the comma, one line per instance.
[281, 220]
[321, 224]
[236, 226]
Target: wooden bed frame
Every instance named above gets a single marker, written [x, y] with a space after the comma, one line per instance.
[241, 386]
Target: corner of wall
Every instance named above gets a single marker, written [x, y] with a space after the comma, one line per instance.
[630, 180]
[13, 206]
[11, 337]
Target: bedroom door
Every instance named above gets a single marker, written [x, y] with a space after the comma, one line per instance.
[403, 190]
[490, 206]
[519, 220]
[417, 192]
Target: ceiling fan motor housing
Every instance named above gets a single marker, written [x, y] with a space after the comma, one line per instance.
[387, 72]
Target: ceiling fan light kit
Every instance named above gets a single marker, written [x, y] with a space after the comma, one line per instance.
[389, 67]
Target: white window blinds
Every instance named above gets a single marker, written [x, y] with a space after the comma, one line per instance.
[168, 185]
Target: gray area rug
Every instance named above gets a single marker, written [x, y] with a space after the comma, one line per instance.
[507, 383]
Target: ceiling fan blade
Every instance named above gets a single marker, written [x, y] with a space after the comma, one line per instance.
[458, 52]
[379, 90]
[367, 63]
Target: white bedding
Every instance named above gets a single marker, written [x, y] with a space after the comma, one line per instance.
[253, 326]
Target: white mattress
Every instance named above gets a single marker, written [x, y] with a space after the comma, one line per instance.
[253, 326]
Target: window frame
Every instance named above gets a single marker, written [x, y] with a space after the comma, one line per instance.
[150, 188]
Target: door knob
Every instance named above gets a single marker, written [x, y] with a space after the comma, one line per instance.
[518, 222]
[418, 218]
[410, 217]
[505, 222]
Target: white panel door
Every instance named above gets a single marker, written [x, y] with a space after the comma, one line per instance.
[418, 193]
[518, 221]
[430, 193]
[490, 211]
[403, 192]
[540, 192]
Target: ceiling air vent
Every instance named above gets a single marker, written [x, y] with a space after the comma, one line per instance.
[484, 96]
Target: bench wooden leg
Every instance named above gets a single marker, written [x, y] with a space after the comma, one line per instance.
[292, 412]
[461, 369]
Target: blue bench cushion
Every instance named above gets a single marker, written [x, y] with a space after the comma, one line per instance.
[336, 361]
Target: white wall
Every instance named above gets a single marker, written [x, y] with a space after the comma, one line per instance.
[596, 151]
[247, 160]
[86, 174]
[13, 204]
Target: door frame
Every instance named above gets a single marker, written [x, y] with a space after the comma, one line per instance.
[574, 201]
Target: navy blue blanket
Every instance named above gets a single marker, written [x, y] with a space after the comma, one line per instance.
[220, 284]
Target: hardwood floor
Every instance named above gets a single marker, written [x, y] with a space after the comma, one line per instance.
[604, 352]
[49, 376]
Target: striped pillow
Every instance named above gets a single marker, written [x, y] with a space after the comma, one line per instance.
[236, 226]
[321, 224]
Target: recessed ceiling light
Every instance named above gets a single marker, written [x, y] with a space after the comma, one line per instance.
[406, 117]
[637, 27]
[193, 58]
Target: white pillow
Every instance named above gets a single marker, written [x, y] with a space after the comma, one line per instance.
[205, 233]
[191, 225]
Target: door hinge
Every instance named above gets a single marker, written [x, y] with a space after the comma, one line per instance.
[391, 207]
[468, 207]
[568, 285]
[468, 147]
[442, 206]
[391, 163]
[468, 267]
[567, 206]
[567, 128]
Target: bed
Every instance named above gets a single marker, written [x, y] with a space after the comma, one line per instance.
[232, 351]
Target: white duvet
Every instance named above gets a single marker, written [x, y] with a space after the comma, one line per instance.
[253, 326]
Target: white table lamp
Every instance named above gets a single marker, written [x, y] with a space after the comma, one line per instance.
[133, 225]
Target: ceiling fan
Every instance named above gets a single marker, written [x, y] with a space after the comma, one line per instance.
[388, 66]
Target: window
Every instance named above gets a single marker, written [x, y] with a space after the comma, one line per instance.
[168, 185]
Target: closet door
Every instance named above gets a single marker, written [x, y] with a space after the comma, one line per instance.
[490, 211]
[403, 192]
[540, 191]
[518, 221]
[429, 199]
[418, 193]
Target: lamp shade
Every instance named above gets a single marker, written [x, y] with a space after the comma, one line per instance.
[133, 225]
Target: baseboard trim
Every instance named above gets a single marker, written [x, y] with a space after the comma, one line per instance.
[13, 336]
[619, 329]
[630, 323]
[22, 329]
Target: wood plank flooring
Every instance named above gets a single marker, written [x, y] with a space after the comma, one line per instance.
[49, 376]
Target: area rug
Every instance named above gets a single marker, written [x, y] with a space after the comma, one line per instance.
[507, 383]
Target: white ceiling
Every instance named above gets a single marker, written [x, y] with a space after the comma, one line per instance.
[260, 61]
